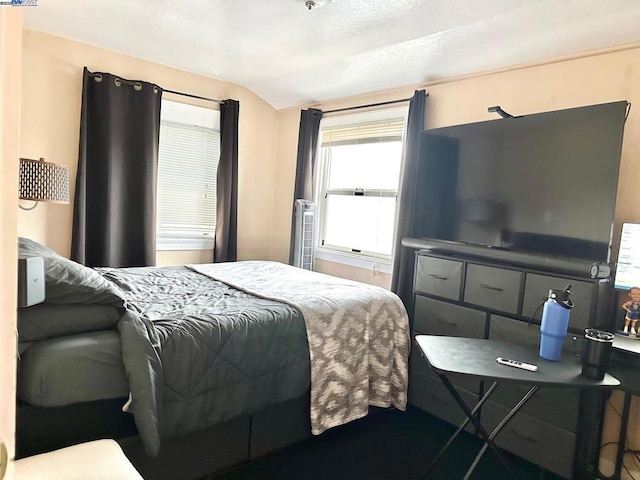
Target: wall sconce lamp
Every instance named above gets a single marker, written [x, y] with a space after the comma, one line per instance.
[42, 181]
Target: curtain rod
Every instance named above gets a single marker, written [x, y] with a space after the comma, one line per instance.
[390, 102]
[221, 102]
[98, 77]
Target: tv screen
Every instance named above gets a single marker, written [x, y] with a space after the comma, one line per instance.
[628, 268]
[543, 183]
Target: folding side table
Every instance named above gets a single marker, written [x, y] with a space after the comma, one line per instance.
[477, 357]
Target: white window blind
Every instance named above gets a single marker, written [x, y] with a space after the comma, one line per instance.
[389, 130]
[187, 168]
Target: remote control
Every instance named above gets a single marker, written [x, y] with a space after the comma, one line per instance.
[517, 364]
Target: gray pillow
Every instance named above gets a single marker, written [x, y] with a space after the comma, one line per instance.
[44, 321]
[67, 281]
[31, 248]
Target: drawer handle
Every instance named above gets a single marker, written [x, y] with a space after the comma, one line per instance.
[438, 277]
[445, 322]
[523, 436]
[490, 287]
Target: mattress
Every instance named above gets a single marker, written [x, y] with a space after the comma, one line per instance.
[72, 369]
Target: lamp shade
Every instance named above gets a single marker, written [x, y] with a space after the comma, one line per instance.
[43, 181]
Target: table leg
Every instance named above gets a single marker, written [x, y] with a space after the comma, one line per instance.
[500, 426]
[470, 414]
[460, 428]
[622, 439]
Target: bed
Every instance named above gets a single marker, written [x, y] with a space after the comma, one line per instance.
[189, 348]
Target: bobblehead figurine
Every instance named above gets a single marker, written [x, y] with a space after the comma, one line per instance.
[632, 307]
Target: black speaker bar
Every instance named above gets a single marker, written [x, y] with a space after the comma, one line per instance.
[577, 267]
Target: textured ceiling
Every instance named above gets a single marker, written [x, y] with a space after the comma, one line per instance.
[291, 56]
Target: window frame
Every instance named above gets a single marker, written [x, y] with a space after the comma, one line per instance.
[363, 259]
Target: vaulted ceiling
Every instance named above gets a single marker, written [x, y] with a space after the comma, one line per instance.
[289, 55]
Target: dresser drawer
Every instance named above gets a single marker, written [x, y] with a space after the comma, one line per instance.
[439, 277]
[539, 442]
[558, 406]
[428, 393]
[511, 330]
[555, 405]
[440, 318]
[494, 288]
[536, 291]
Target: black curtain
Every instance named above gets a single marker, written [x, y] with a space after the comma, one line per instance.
[305, 163]
[226, 241]
[403, 260]
[114, 220]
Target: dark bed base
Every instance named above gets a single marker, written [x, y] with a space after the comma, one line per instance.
[40, 429]
[188, 458]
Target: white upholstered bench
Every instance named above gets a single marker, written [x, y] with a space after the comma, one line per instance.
[98, 460]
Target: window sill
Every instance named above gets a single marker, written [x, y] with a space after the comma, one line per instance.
[360, 261]
[183, 244]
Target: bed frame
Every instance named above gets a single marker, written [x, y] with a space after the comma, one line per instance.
[191, 457]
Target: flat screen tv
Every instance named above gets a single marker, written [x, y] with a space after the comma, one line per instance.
[544, 183]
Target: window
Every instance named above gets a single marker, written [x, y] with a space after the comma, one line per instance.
[188, 157]
[359, 173]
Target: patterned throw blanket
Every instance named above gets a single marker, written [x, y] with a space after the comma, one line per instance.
[358, 336]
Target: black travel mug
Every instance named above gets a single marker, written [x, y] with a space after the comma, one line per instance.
[596, 350]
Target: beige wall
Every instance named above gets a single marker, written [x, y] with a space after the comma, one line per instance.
[52, 86]
[358, 274]
[10, 58]
[178, 257]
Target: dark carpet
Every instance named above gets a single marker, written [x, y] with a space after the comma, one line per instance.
[388, 445]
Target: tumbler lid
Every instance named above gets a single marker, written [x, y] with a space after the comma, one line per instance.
[598, 335]
[562, 296]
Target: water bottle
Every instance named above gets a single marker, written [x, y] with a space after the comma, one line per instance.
[555, 321]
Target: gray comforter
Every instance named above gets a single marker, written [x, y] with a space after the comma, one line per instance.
[196, 357]
[358, 336]
[198, 352]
